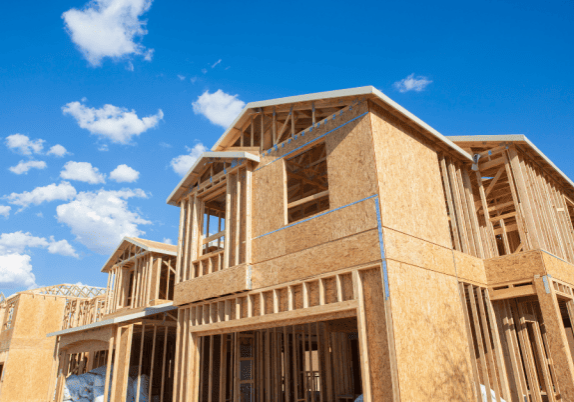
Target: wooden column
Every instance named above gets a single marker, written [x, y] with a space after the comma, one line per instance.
[557, 341]
[373, 342]
[122, 363]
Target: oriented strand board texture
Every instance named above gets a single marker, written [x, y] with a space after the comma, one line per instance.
[230, 280]
[342, 223]
[351, 175]
[433, 357]
[417, 252]
[558, 268]
[410, 185]
[470, 268]
[351, 162]
[378, 344]
[97, 334]
[27, 375]
[29, 363]
[269, 200]
[514, 267]
[347, 252]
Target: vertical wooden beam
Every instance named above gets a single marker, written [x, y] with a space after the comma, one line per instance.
[180, 241]
[152, 361]
[557, 341]
[122, 363]
[140, 364]
[228, 217]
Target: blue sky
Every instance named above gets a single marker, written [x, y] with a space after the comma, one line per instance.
[174, 73]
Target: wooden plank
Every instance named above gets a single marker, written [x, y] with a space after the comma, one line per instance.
[489, 350]
[138, 390]
[180, 241]
[305, 200]
[467, 314]
[478, 335]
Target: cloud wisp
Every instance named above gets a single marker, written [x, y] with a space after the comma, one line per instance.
[52, 192]
[124, 174]
[24, 166]
[114, 123]
[109, 28]
[412, 83]
[23, 145]
[82, 171]
[100, 219]
[219, 107]
[182, 163]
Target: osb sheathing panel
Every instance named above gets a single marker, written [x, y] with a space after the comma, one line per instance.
[27, 376]
[410, 186]
[97, 334]
[37, 316]
[433, 358]
[514, 267]
[230, 280]
[269, 188]
[378, 344]
[558, 268]
[421, 253]
[350, 162]
[470, 268]
[347, 252]
[269, 197]
[342, 223]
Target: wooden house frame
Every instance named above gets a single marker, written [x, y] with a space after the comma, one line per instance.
[26, 354]
[134, 334]
[364, 253]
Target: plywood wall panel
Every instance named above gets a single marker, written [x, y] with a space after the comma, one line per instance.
[470, 268]
[350, 162]
[432, 352]
[344, 222]
[558, 269]
[269, 198]
[413, 251]
[230, 280]
[410, 186]
[347, 252]
[514, 267]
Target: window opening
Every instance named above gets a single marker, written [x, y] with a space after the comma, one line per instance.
[213, 228]
[130, 289]
[307, 183]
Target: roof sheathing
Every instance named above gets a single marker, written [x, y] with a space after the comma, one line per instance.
[148, 245]
[517, 138]
[367, 90]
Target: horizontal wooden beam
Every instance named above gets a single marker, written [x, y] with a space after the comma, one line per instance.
[515, 291]
[295, 317]
[305, 200]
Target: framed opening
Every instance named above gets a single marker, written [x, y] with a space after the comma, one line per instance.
[307, 183]
[213, 225]
[311, 362]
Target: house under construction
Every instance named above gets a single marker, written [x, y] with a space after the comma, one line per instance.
[333, 246]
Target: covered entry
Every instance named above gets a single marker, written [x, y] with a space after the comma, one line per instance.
[323, 339]
[309, 362]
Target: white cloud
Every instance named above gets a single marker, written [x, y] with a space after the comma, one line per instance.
[167, 241]
[63, 191]
[24, 145]
[23, 167]
[181, 77]
[164, 145]
[100, 219]
[193, 79]
[216, 63]
[118, 124]
[108, 28]
[57, 150]
[61, 247]
[219, 108]
[5, 210]
[124, 173]
[15, 264]
[82, 171]
[16, 271]
[182, 163]
[204, 70]
[19, 242]
[411, 83]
